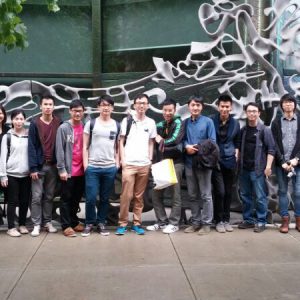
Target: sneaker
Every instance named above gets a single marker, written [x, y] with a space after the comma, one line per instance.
[228, 227]
[13, 232]
[170, 229]
[192, 228]
[23, 230]
[69, 232]
[50, 228]
[205, 229]
[245, 225]
[87, 230]
[259, 228]
[102, 229]
[156, 227]
[79, 227]
[121, 230]
[220, 227]
[138, 229]
[36, 230]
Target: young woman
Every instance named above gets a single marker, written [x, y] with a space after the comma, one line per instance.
[14, 172]
[3, 130]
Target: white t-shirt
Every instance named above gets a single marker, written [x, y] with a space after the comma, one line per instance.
[102, 148]
[137, 142]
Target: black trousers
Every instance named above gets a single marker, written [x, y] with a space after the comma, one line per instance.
[222, 181]
[18, 194]
[72, 192]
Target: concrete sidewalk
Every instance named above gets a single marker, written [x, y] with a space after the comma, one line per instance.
[239, 265]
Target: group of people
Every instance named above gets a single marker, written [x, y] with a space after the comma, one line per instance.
[213, 151]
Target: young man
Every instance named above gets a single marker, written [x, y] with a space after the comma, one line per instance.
[101, 162]
[42, 164]
[136, 157]
[169, 139]
[69, 145]
[198, 128]
[286, 133]
[257, 152]
[223, 178]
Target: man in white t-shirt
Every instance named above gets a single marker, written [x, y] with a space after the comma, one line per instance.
[136, 151]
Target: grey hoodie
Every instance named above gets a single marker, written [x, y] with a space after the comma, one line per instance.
[64, 147]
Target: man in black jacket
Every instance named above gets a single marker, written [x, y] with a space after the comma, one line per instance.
[223, 178]
[286, 133]
[169, 138]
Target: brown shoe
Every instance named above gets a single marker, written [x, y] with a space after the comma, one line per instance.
[79, 227]
[69, 232]
[298, 223]
[284, 228]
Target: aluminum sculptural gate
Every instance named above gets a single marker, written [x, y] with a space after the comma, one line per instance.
[248, 70]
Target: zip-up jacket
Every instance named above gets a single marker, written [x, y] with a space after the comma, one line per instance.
[64, 147]
[277, 135]
[35, 148]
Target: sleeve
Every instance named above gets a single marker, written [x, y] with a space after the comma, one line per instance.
[211, 133]
[177, 135]
[3, 174]
[87, 128]
[278, 154]
[237, 137]
[269, 140]
[32, 148]
[123, 127]
[60, 150]
[153, 132]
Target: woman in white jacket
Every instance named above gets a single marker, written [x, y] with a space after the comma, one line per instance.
[14, 172]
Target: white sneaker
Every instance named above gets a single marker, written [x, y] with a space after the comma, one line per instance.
[23, 230]
[228, 227]
[13, 232]
[50, 228]
[220, 227]
[36, 230]
[155, 227]
[170, 229]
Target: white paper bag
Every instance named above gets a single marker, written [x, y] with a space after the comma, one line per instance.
[164, 174]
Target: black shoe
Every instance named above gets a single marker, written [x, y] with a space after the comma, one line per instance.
[102, 229]
[245, 225]
[259, 228]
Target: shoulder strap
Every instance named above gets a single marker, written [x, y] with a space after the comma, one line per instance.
[129, 124]
[118, 127]
[8, 143]
[92, 125]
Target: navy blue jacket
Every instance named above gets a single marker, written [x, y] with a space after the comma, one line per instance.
[227, 149]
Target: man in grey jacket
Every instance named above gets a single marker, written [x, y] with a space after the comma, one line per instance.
[69, 145]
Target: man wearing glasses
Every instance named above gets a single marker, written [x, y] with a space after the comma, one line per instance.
[100, 162]
[257, 152]
[136, 156]
[69, 144]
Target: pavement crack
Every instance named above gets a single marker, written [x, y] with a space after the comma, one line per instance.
[183, 269]
[25, 267]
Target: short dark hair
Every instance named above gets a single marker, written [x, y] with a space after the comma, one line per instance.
[5, 116]
[197, 99]
[76, 103]
[252, 104]
[106, 98]
[224, 98]
[47, 96]
[288, 97]
[140, 96]
[169, 101]
[16, 112]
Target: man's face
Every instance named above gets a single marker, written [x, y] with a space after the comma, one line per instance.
[195, 108]
[252, 113]
[288, 106]
[141, 105]
[77, 114]
[47, 106]
[225, 108]
[168, 112]
[105, 108]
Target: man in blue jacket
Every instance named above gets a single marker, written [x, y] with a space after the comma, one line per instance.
[224, 177]
[257, 152]
[198, 128]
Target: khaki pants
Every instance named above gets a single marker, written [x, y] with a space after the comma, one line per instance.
[134, 183]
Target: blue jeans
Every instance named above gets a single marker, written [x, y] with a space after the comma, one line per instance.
[283, 191]
[253, 193]
[98, 181]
